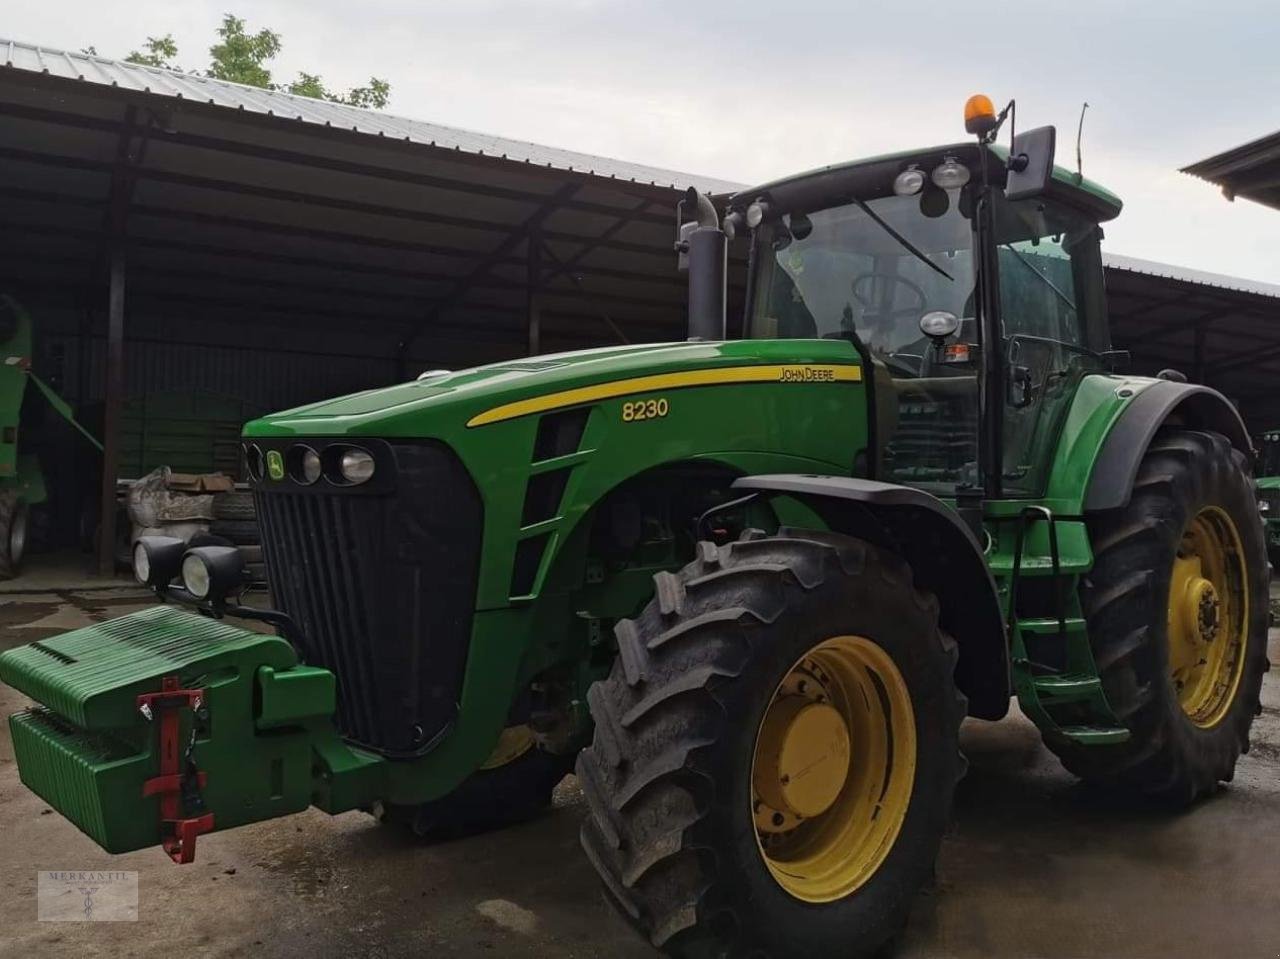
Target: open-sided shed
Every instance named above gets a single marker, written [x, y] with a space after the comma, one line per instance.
[177, 234]
[279, 249]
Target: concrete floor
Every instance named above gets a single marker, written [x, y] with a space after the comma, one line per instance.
[1035, 865]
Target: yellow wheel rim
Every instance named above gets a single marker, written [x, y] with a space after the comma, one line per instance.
[513, 742]
[833, 769]
[1208, 617]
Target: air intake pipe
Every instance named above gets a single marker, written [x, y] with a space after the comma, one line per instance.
[703, 252]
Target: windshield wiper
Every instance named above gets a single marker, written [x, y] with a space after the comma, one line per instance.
[1044, 279]
[902, 240]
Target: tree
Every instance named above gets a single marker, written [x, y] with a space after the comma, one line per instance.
[243, 57]
[160, 51]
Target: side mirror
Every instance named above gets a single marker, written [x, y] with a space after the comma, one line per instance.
[1030, 163]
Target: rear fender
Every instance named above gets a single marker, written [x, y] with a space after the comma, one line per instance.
[945, 558]
[1166, 402]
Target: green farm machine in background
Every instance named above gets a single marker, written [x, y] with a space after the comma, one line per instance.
[752, 586]
[1268, 471]
[21, 479]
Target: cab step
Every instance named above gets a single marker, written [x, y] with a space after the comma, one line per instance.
[1095, 735]
[1054, 690]
[1049, 625]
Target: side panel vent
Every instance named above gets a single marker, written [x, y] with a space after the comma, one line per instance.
[560, 434]
[528, 559]
[542, 496]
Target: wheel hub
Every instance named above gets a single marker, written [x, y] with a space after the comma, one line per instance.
[1201, 609]
[1208, 616]
[803, 757]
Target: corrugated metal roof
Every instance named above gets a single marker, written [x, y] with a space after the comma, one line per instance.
[1131, 264]
[190, 86]
[1250, 170]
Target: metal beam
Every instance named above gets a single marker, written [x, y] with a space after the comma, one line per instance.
[337, 165]
[305, 199]
[562, 269]
[533, 286]
[668, 278]
[488, 262]
[113, 249]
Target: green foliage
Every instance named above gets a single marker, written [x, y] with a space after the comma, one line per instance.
[160, 52]
[243, 57]
[374, 96]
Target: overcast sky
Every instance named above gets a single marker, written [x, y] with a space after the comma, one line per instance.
[749, 90]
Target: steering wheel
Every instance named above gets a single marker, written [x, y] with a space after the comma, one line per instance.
[860, 281]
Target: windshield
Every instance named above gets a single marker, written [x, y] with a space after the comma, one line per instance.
[872, 271]
[837, 271]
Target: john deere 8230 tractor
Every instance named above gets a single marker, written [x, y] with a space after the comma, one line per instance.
[751, 585]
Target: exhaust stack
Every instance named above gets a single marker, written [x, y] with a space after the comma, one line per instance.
[703, 251]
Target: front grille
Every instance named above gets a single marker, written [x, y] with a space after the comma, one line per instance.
[382, 583]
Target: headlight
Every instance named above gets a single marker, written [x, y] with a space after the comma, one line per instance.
[909, 182]
[950, 174]
[157, 559]
[195, 577]
[213, 572]
[253, 462]
[304, 465]
[356, 466]
[1264, 506]
[939, 323]
[756, 213]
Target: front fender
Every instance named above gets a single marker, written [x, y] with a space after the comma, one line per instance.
[945, 559]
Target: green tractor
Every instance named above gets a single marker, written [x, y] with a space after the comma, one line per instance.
[750, 586]
[1268, 470]
[22, 482]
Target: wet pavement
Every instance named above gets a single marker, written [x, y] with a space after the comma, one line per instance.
[1035, 865]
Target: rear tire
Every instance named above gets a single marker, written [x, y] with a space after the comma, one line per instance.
[672, 776]
[1181, 744]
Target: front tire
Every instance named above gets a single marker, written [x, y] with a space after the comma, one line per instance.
[513, 786]
[1177, 606]
[729, 812]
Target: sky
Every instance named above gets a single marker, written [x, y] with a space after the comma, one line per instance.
[750, 91]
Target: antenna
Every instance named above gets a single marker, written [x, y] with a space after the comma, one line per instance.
[1079, 134]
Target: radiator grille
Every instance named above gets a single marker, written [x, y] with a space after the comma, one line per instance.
[383, 586]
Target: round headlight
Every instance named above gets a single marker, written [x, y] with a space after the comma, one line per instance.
[756, 213]
[195, 576]
[253, 462]
[950, 174]
[939, 323]
[304, 465]
[356, 466]
[141, 564]
[909, 182]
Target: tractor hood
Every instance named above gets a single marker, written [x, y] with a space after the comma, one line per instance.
[517, 388]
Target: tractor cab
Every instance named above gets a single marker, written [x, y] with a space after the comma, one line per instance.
[1269, 454]
[975, 311]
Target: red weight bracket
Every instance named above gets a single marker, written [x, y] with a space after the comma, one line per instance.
[178, 834]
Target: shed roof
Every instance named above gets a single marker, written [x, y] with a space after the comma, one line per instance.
[1251, 170]
[92, 68]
